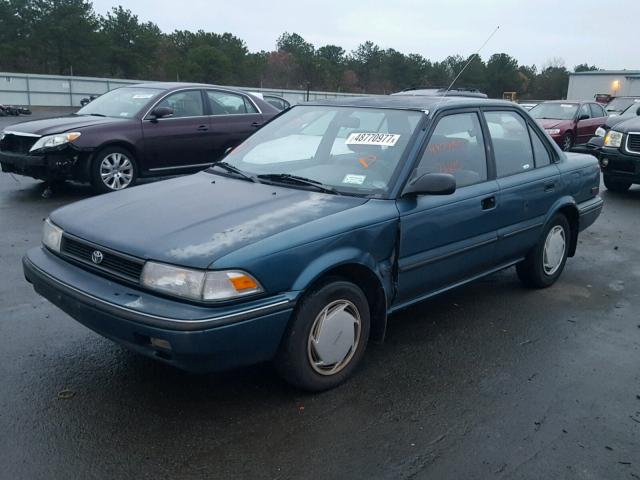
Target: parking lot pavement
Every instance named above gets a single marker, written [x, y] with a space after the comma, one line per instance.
[488, 381]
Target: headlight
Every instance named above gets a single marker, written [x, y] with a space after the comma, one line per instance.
[51, 141]
[613, 139]
[51, 235]
[600, 132]
[552, 131]
[198, 284]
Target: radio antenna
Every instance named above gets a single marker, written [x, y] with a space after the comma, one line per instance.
[467, 64]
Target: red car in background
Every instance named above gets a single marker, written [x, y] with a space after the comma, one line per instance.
[569, 123]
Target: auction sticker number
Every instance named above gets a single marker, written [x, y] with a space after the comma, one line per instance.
[379, 139]
[354, 179]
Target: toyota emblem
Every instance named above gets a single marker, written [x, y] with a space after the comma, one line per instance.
[97, 257]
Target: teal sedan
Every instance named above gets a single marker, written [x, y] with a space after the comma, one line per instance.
[298, 246]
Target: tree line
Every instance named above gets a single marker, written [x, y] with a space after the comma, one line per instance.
[68, 37]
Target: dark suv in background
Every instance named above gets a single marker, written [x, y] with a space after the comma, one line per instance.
[144, 130]
[620, 156]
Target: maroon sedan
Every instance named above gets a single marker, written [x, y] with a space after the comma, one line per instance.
[144, 130]
[569, 123]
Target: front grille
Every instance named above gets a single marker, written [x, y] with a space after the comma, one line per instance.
[633, 142]
[113, 263]
[17, 143]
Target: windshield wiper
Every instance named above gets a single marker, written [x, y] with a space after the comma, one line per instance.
[288, 178]
[231, 169]
[96, 115]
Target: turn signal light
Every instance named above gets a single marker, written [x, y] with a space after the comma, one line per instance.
[242, 282]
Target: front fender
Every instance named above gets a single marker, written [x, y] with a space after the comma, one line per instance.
[334, 259]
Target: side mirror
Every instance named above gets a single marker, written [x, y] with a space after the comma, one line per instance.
[584, 116]
[432, 184]
[227, 151]
[161, 112]
[595, 143]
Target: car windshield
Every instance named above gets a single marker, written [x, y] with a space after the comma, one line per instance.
[632, 110]
[123, 102]
[349, 150]
[619, 104]
[555, 111]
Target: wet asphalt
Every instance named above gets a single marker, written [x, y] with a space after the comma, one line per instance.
[488, 381]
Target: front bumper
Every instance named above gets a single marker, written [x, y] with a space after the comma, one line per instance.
[201, 338]
[620, 166]
[62, 164]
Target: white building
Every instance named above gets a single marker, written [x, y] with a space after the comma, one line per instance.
[617, 83]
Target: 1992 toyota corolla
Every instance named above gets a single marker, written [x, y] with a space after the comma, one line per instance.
[307, 236]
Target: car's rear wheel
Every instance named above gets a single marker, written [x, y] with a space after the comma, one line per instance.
[112, 169]
[567, 141]
[616, 185]
[326, 338]
[544, 264]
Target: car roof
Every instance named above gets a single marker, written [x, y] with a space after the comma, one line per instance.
[177, 85]
[411, 102]
[439, 92]
[577, 102]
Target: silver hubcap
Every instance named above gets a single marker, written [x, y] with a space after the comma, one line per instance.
[554, 247]
[567, 143]
[116, 171]
[334, 337]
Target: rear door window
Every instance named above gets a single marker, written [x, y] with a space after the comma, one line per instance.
[228, 103]
[511, 144]
[456, 147]
[540, 152]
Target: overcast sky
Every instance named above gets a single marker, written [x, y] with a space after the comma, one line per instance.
[577, 31]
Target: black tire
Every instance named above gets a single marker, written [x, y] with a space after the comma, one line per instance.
[532, 271]
[567, 142]
[95, 176]
[616, 185]
[293, 361]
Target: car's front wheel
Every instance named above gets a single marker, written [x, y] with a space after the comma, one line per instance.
[567, 142]
[327, 336]
[112, 169]
[616, 185]
[544, 264]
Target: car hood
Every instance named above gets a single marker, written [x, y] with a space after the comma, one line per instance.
[627, 124]
[194, 220]
[553, 123]
[614, 120]
[50, 126]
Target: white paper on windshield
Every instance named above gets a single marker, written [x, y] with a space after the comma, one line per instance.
[143, 95]
[567, 105]
[354, 179]
[379, 139]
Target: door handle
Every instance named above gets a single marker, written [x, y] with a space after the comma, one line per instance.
[256, 124]
[549, 186]
[488, 203]
[202, 128]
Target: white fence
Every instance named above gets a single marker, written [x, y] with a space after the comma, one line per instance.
[63, 91]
